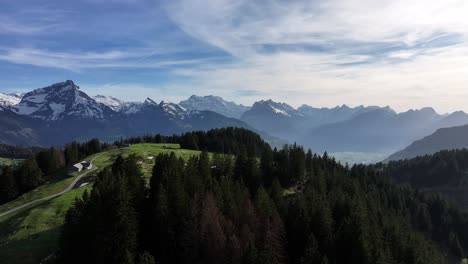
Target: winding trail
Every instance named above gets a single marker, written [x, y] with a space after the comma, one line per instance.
[69, 188]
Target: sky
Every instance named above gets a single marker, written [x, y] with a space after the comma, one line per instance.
[403, 53]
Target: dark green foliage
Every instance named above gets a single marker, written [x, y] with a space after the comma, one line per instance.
[8, 186]
[28, 175]
[50, 160]
[146, 258]
[230, 140]
[289, 206]
[444, 168]
[35, 170]
[17, 180]
[105, 224]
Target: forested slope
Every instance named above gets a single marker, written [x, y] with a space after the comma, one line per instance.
[289, 206]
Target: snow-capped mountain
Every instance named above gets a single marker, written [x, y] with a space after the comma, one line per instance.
[58, 101]
[62, 113]
[9, 99]
[130, 107]
[215, 104]
[279, 119]
[276, 109]
[112, 102]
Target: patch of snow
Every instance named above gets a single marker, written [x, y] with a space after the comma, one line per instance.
[114, 103]
[279, 111]
[57, 110]
[8, 100]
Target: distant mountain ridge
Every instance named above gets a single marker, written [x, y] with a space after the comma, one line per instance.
[443, 139]
[370, 129]
[215, 104]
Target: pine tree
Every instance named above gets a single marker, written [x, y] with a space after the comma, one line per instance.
[146, 258]
[8, 186]
[213, 238]
[29, 175]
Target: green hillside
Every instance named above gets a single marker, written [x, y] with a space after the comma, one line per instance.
[31, 234]
[8, 162]
[143, 151]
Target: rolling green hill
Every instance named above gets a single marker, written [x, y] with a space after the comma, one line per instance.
[30, 235]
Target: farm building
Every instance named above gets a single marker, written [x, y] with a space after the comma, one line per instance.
[81, 166]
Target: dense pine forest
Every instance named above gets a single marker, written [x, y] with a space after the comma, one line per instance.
[240, 201]
[228, 140]
[444, 168]
[283, 206]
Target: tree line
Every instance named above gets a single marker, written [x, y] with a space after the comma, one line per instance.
[18, 152]
[444, 168]
[230, 140]
[34, 171]
[286, 206]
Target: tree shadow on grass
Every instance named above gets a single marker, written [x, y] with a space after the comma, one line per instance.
[32, 249]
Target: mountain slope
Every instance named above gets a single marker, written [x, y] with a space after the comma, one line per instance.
[59, 101]
[215, 104]
[442, 139]
[278, 119]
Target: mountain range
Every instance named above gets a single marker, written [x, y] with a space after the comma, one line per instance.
[62, 112]
[349, 129]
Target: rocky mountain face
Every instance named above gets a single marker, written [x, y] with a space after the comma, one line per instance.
[215, 104]
[60, 101]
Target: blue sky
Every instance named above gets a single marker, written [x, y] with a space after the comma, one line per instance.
[406, 54]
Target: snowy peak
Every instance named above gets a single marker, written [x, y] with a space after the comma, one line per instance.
[280, 109]
[172, 109]
[215, 104]
[58, 101]
[112, 102]
[7, 100]
[150, 101]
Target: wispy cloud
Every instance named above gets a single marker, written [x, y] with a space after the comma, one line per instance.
[78, 61]
[333, 52]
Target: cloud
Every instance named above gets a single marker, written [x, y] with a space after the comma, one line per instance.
[78, 61]
[332, 52]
